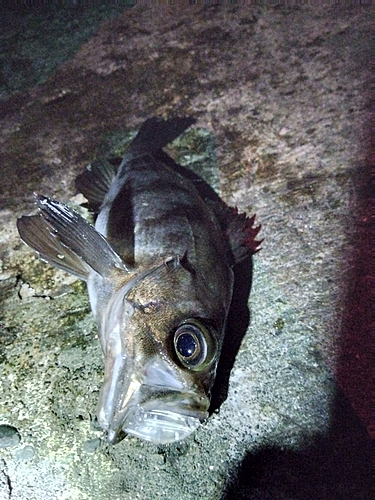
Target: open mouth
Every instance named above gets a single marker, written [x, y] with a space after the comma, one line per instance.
[159, 408]
[159, 426]
[164, 418]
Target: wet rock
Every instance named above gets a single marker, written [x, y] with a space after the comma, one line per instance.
[9, 436]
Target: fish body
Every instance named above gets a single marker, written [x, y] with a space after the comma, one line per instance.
[158, 266]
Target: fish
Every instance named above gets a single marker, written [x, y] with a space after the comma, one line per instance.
[159, 270]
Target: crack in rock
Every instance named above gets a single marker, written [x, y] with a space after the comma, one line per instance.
[6, 487]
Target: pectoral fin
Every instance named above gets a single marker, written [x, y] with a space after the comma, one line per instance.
[67, 241]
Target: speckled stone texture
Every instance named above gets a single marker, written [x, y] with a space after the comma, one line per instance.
[284, 92]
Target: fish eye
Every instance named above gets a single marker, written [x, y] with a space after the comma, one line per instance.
[194, 345]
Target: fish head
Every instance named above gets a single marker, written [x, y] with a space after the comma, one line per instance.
[161, 335]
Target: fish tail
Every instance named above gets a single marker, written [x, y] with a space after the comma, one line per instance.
[155, 133]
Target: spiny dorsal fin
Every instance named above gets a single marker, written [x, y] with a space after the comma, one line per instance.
[238, 229]
[241, 233]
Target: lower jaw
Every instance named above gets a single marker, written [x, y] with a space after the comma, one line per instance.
[158, 426]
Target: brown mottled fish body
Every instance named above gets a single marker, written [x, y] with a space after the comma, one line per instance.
[159, 270]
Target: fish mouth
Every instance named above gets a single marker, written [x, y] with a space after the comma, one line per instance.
[157, 408]
[164, 417]
[158, 425]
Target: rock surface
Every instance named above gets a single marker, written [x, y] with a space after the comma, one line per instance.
[284, 93]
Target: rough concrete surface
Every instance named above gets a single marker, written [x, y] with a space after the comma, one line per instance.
[284, 92]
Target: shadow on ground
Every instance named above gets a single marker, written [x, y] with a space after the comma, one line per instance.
[336, 466]
[330, 467]
[237, 324]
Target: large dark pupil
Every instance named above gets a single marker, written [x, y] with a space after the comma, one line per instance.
[186, 345]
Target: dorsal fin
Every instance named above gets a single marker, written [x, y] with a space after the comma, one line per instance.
[238, 228]
[241, 233]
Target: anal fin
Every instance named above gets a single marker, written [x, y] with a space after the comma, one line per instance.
[95, 182]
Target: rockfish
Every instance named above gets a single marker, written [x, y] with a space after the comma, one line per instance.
[158, 266]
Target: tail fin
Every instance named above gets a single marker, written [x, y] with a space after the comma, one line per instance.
[155, 133]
